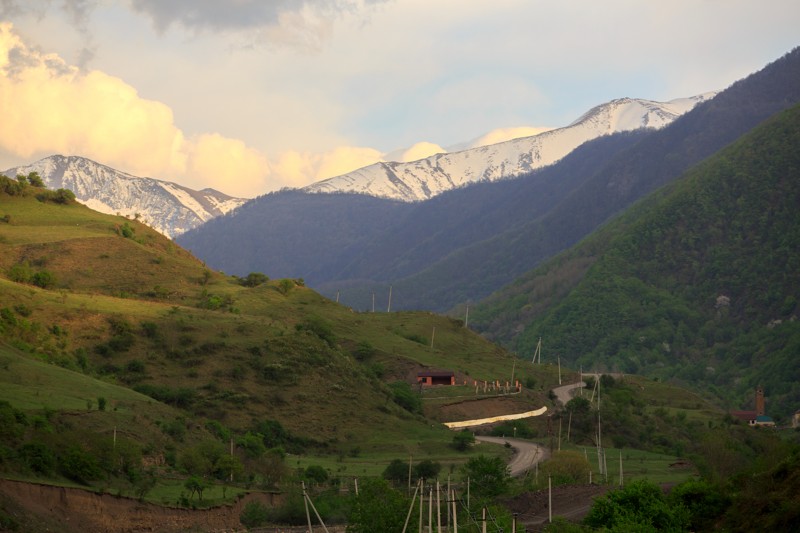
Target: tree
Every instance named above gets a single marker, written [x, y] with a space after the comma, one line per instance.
[253, 279]
[396, 471]
[639, 506]
[378, 507]
[35, 180]
[427, 469]
[567, 467]
[316, 473]
[285, 285]
[195, 485]
[488, 476]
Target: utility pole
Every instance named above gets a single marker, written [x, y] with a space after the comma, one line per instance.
[455, 512]
[411, 507]
[373, 301]
[438, 509]
[430, 510]
[466, 318]
[305, 501]
[389, 309]
[410, 458]
[549, 499]
[433, 334]
[559, 370]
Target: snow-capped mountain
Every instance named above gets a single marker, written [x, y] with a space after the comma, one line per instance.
[167, 207]
[426, 178]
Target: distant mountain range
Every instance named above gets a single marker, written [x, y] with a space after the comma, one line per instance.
[173, 209]
[167, 207]
[463, 244]
[426, 178]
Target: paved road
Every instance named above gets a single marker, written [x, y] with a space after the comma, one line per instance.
[526, 454]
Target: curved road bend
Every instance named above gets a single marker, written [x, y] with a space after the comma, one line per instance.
[564, 392]
[526, 453]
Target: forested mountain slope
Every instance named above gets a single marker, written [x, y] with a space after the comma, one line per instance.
[698, 282]
[462, 245]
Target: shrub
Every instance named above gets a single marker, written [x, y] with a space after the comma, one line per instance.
[38, 457]
[404, 396]
[427, 469]
[316, 473]
[78, 465]
[253, 279]
[254, 514]
[489, 475]
[20, 273]
[44, 279]
[639, 506]
[463, 440]
[396, 471]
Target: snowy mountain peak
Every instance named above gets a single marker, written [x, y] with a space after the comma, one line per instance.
[167, 207]
[426, 178]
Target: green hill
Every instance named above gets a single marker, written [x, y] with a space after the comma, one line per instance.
[697, 283]
[117, 312]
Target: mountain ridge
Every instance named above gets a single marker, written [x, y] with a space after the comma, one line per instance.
[167, 207]
[428, 177]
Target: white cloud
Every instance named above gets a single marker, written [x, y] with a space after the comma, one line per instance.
[421, 150]
[506, 134]
[50, 107]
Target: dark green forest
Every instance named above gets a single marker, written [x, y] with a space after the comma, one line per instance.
[697, 283]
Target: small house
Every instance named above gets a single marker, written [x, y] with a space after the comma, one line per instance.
[436, 377]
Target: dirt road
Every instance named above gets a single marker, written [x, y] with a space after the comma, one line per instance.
[526, 454]
[564, 393]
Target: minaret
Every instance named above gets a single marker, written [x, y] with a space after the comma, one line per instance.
[759, 401]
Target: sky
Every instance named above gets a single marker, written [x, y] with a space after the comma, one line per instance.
[251, 96]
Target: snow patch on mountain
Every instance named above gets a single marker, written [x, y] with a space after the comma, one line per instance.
[426, 178]
[167, 207]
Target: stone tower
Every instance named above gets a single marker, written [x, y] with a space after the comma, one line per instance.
[759, 401]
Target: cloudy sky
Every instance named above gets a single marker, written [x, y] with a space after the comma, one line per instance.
[248, 96]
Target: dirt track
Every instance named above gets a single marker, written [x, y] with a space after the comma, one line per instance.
[526, 454]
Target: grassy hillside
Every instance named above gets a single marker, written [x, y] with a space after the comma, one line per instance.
[105, 323]
[697, 283]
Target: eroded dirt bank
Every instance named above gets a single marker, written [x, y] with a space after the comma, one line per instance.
[76, 510]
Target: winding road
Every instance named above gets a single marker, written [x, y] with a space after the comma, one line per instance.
[526, 453]
[564, 392]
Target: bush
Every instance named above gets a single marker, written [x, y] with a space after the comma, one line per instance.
[567, 467]
[427, 469]
[78, 465]
[378, 507]
[396, 471]
[254, 514]
[20, 273]
[488, 475]
[38, 457]
[316, 473]
[404, 396]
[639, 506]
[253, 279]
[463, 440]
